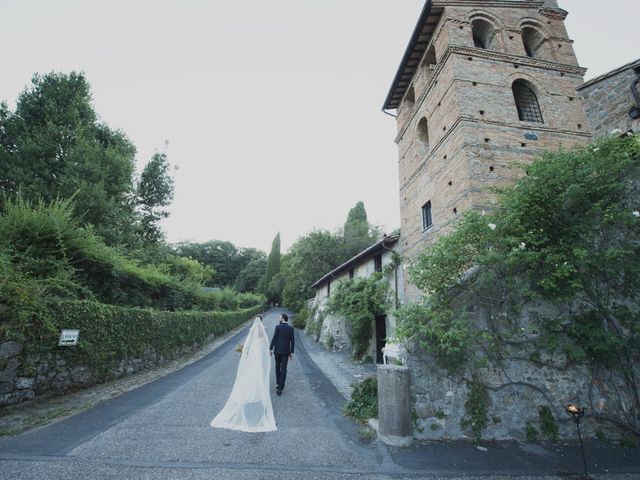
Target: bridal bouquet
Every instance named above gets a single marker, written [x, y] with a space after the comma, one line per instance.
[239, 349]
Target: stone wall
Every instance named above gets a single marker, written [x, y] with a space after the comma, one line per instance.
[517, 387]
[459, 133]
[22, 377]
[516, 394]
[608, 100]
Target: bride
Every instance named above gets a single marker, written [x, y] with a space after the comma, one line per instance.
[248, 407]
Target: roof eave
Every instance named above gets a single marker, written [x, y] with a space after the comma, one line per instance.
[390, 240]
[426, 11]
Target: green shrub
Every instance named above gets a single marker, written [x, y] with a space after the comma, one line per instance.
[531, 433]
[300, 319]
[476, 407]
[548, 424]
[364, 400]
[109, 334]
[359, 300]
[314, 323]
[46, 244]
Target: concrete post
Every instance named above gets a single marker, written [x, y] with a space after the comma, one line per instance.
[394, 406]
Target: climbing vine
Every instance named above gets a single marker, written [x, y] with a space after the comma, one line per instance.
[566, 234]
[359, 300]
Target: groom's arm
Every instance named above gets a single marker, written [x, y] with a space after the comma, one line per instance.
[273, 340]
[293, 340]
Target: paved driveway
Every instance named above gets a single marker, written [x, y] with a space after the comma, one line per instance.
[161, 431]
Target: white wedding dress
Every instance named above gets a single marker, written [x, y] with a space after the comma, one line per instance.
[249, 408]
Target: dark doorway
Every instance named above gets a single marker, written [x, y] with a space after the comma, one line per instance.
[381, 336]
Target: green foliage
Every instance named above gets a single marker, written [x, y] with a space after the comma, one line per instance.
[314, 323]
[367, 433]
[548, 425]
[568, 233]
[628, 441]
[155, 190]
[364, 400]
[358, 234]
[531, 433]
[109, 334]
[53, 146]
[476, 407]
[45, 248]
[248, 278]
[308, 259]
[300, 319]
[359, 300]
[330, 342]
[267, 286]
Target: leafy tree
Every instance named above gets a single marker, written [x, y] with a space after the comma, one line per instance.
[53, 146]
[248, 278]
[247, 255]
[308, 259]
[217, 254]
[273, 268]
[155, 190]
[358, 233]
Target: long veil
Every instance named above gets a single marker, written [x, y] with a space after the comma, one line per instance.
[248, 407]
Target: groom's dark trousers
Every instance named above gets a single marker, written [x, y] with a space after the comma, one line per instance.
[282, 345]
[281, 370]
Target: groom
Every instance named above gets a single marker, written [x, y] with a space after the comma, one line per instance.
[282, 344]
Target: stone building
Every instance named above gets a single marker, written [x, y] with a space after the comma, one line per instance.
[612, 100]
[483, 88]
[481, 85]
[333, 329]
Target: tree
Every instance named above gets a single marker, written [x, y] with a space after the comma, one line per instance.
[155, 190]
[248, 278]
[53, 146]
[309, 258]
[358, 234]
[273, 268]
[217, 254]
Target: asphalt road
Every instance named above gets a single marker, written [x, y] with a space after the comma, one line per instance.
[161, 431]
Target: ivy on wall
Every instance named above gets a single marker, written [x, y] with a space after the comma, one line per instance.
[110, 334]
[359, 300]
[566, 234]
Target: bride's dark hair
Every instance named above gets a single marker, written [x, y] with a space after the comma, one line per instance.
[259, 316]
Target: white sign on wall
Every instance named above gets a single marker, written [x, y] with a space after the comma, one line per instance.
[68, 338]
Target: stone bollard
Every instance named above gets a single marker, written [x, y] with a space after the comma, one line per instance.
[394, 406]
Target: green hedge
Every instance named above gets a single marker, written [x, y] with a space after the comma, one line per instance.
[110, 334]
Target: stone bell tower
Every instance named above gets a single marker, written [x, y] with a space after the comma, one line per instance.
[483, 84]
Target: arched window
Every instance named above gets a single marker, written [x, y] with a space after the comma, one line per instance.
[484, 34]
[532, 39]
[526, 102]
[422, 134]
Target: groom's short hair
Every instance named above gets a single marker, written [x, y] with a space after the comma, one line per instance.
[285, 317]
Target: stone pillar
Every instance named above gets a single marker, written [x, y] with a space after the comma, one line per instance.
[394, 406]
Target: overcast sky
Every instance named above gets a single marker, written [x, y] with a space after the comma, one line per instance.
[271, 108]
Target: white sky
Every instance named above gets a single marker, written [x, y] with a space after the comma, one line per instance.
[271, 108]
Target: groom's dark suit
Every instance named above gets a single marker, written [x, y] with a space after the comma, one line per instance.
[282, 345]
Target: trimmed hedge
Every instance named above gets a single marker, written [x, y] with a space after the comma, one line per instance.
[110, 334]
